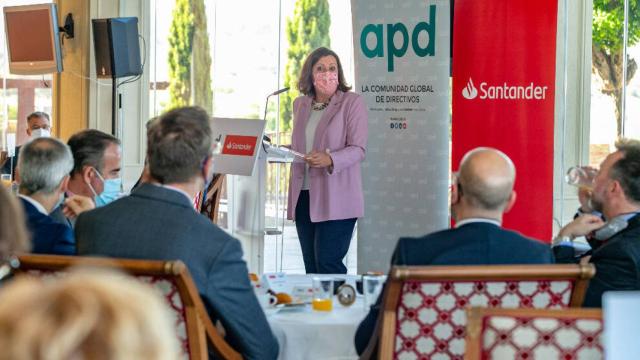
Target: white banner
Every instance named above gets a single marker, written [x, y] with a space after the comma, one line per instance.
[402, 71]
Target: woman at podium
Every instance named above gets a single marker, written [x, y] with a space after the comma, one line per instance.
[325, 190]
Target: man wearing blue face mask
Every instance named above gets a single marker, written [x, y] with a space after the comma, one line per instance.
[96, 171]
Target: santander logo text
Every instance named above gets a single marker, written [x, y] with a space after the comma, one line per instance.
[239, 145]
[505, 91]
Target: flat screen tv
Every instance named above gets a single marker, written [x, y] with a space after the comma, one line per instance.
[32, 39]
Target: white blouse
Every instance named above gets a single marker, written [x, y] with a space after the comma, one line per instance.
[310, 134]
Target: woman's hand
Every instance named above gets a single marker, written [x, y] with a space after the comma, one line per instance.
[319, 159]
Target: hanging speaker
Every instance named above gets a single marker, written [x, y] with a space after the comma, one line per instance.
[116, 45]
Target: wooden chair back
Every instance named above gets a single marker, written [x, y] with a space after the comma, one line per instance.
[193, 325]
[423, 310]
[536, 334]
[210, 198]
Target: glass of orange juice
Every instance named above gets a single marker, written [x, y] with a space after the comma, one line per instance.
[5, 179]
[322, 294]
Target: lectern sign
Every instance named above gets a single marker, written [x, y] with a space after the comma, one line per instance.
[239, 145]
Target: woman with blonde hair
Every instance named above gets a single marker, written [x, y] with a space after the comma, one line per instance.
[13, 231]
[86, 314]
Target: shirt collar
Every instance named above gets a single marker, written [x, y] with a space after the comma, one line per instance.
[35, 204]
[478, 220]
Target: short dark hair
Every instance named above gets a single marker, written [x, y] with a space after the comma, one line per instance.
[40, 114]
[88, 148]
[305, 82]
[178, 143]
[627, 170]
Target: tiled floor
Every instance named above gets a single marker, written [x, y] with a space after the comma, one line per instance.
[288, 257]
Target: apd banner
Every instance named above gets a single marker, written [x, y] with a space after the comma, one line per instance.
[402, 71]
[504, 59]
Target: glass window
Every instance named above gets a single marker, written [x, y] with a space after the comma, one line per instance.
[246, 60]
[615, 104]
[19, 95]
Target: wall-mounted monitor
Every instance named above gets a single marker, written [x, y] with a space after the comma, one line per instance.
[32, 39]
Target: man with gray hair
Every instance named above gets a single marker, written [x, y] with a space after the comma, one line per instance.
[481, 192]
[43, 174]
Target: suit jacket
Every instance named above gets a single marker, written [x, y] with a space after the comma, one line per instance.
[617, 263]
[161, 224]
[476, 243]
[10, 165]
[336, 194]
[47, 235]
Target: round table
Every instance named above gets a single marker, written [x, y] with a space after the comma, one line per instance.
[303, 333]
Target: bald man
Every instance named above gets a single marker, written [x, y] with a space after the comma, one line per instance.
[482, 191]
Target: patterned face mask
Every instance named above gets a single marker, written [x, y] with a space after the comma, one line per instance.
[326, 83]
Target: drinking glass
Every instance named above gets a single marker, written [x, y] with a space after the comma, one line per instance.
[581, 176]
[322, 294]
[371, 287]
[5, 179]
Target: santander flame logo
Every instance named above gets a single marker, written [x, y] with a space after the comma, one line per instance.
[470, 92]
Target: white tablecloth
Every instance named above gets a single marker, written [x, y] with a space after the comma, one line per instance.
[303, 333]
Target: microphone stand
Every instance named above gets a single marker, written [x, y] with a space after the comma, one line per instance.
[267, 141]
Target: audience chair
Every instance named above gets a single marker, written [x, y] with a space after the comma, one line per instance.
[170, 278]
[423, 309]
[210, 199]
[536, 334]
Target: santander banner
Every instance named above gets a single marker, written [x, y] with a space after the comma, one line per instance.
[504, 57]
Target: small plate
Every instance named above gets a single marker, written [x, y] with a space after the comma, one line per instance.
[272, 310]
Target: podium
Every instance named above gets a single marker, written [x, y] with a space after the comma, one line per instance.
[246, 213]
[243, 156]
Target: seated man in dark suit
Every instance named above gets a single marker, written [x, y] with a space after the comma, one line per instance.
[43, 174]
[616, 249]
[158, 221]
[38, 125]
[482, 192]
[96, 170]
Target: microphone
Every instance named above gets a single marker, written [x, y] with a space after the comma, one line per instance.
[278, 92]
[266, 104]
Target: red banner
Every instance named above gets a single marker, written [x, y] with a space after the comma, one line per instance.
[504, 56]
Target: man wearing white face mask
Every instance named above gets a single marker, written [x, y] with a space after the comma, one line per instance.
[96, 170]
[38, 125]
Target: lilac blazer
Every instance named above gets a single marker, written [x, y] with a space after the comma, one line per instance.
[342, 129]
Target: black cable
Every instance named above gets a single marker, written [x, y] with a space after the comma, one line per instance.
[144, 62]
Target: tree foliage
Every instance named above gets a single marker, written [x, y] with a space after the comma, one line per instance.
[202, 94]
[306, 31]
[607, 47]
[180, 43]
[189, 56]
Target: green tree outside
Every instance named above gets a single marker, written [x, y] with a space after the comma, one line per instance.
[306, 31]
[189, 56]
[202, 93]
[607, 47]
